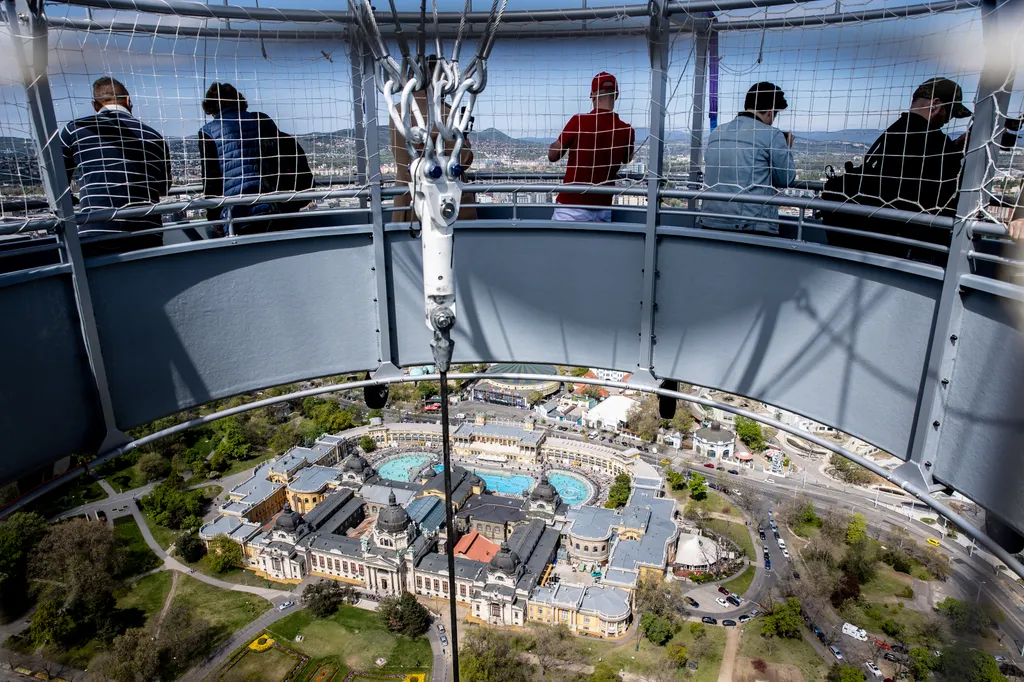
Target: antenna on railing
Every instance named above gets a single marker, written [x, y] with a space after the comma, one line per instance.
[434, 134]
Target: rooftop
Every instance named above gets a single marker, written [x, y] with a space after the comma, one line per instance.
[378, 493]
[476, 547]
[251, 491]
[715, 434]
[493, 509]
[291, 460]
[516, 433]
[313, 479]
[427, 512]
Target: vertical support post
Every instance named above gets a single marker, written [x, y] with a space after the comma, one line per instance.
[658, 46]
[978, 171]
[371, 147]
[355, 59]
[45, 133]
[702, 36]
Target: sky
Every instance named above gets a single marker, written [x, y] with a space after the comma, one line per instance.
[837, 77]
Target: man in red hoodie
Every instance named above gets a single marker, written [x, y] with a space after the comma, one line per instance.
[598, 143]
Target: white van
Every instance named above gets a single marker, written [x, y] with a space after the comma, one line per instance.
[782, 544]
[853, 631]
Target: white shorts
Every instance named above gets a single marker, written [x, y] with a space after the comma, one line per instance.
[583, 215]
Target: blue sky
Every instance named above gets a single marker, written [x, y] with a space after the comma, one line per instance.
[858, 76]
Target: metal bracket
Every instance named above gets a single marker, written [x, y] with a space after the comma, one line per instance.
[387, 370]
[644, 379]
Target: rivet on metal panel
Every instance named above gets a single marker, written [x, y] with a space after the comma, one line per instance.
[935, 423]
[945, 381]
[953, 338]
[928, 464]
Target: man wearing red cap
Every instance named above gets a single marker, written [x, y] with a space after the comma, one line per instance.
[598, 143]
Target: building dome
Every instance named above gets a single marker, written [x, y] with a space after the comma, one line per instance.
[544, 490]
[393, 518]
[355, 463]
[505, 560]
[289, 520]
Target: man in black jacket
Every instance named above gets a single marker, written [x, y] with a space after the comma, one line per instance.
[119, 161]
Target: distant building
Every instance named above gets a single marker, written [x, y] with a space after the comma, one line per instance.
[515, 392]
[610, 414]
[609, 374]
[714, 441]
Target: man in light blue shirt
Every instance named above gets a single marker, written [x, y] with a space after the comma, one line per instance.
[747, 154]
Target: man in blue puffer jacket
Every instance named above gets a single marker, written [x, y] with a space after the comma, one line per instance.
[237, 155]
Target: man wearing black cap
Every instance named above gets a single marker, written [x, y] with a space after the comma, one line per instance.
[749, 155]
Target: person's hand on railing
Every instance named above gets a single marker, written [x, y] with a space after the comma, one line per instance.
[1016, 229]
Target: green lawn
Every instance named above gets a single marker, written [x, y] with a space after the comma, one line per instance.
[82, 490]
[886, 584]
[622, 654]
[740, 583]
[806, 530]
[271, 665]
[163, 535]
[718, 504]
[796, 652]
[737, 532]
[352, 639]
[239, 576]
[226, 610]
[147, 594]
[871, 615]
[140, 557]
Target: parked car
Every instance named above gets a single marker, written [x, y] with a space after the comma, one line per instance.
[755, 613]
[857, 633]
[693, 602]
[873, 669]
[709, 620]
[761, 534]
[722, 603]
[782, 544]
[734, 600]
[728, 623]
[709, 465]
[900, 649]
[444, 641]
[720, 467]
[890, 656]
[771, 514]
[744, 618]
[734, 472]
[785, 552]
[723, 590]
[881, 645]
[767, 564]
[776, 534]
[836, 652]
[440, 628]
[285, 605]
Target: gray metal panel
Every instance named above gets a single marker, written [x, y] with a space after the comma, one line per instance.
[48, 406]
[983, 428]
[204, 321]
[566, 297]
[840, 342]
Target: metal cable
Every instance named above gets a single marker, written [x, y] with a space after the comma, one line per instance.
[449, 523]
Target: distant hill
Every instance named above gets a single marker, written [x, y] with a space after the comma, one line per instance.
[849, 136]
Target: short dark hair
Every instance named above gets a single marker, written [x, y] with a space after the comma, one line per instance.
[221, 95]
[765, 96]
[107, 89]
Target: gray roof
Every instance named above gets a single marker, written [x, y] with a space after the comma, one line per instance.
[231, 526]
[343, 516]
[635, 517]
[378, 493]
[568, 596]
[524, 437]
[326, 510]
[336, 543]
[713, 435]
[543, 552]
[652, 549]
[592, 523]
[291, 459]
[427, 512]
[312, 479]
[607, 601]
[466, 569]
[252, 491]
[493, 509]
[647, 483]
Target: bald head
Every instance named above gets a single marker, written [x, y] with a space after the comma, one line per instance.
[107, 90]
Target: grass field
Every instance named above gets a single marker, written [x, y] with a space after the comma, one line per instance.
[795, 652]
[737, 532]
[352, 639]
[271, 665]
[140, 557]
[886, 584]
[226, 610]
[239, 576]
[163, 535]
[147, 594]
[621, 655]
[740, 583]
[717, 504]
[871, 615]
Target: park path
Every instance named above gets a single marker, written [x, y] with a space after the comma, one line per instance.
[732, 647]
[167, 603]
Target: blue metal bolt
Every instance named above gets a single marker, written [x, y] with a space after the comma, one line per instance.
[434, 172]
[457, 170]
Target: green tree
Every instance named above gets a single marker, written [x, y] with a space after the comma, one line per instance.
[153, 467]
[604, 673]
[78, 561]
[964, 616]
[678, 654]
[857, 531]
[52, 623]
[19, 535]
[225, 554]
[683, 420]
[190, 547]
[592, 392]
[618, 493]
[698, 630]
[657, 629]
[486, 655]
[847, 471]
[133, 657]
[579, 371]
[893, 628]
[749, 431]
[170, 504]
[325, 597]
[967, 664]
[534, 397]
[428, 389]
[785, 620]
[676, 480]
[233, 446]
[698, 487]
[920, 663]
[644, 419]
[403, 614]
[840, 672]
[367, 443]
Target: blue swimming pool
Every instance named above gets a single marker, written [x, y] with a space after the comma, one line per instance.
[402, 468]
[573, 489]
[497, 482]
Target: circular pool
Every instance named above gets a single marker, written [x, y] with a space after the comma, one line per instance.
[572, 488]
[402, 468]
[499, 482]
